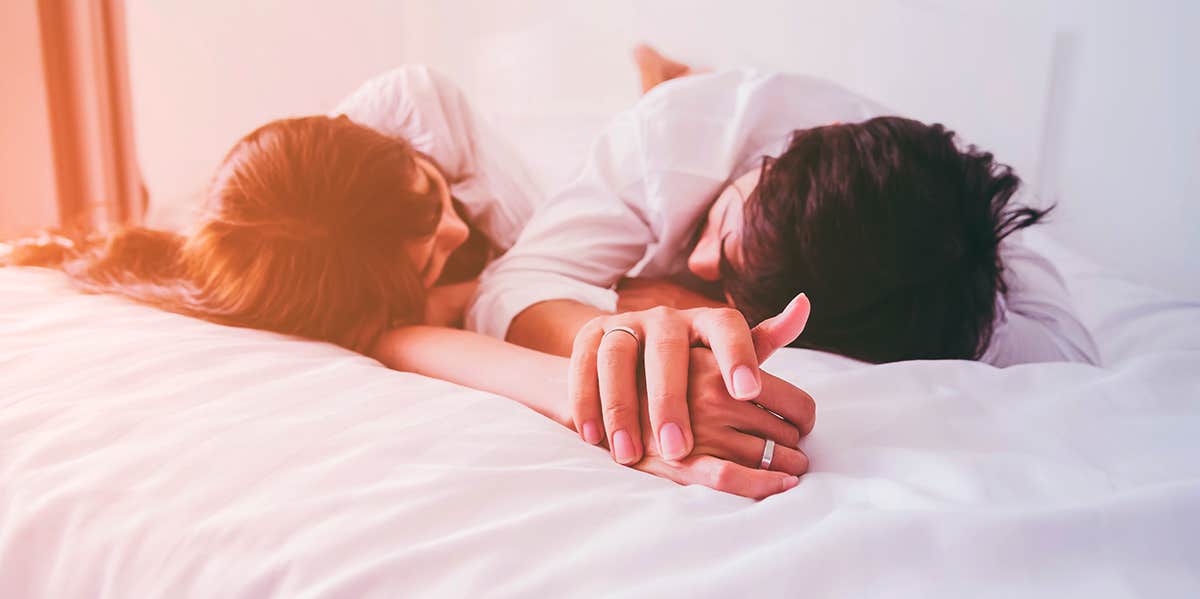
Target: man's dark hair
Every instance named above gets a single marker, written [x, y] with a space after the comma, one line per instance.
[893, 233]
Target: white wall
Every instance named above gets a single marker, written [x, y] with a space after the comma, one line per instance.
[1092, 101]
[27, 186]
[205, 73]
[1122, 151]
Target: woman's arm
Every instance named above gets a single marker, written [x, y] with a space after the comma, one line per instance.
[534, 379]
[729, 434]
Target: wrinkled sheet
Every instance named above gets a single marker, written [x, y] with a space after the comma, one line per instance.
[145, 454]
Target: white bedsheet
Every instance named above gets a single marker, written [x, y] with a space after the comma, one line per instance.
[144, 454]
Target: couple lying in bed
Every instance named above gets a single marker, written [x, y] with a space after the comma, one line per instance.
[635, 304]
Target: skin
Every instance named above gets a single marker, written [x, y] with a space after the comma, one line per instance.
[605, 401]
[444, 304]
[722, 230]
[452, 232]
[431, 253]
[654, 68]
[728, 433]
[722, 226]
[667, 320]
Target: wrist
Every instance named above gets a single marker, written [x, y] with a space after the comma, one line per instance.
[543, 384]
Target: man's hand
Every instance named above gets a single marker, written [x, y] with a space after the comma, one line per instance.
[605, 363]
[730, 436]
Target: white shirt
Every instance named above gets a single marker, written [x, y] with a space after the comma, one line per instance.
[486, 175]
[649, 178]
[1035, 321]
[652, 174]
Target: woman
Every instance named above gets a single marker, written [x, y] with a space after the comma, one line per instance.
[338, 230]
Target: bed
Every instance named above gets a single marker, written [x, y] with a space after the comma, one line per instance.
[145, 454]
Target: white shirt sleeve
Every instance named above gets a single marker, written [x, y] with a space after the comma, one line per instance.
[425, 108]
[1035, 320]
[578, 244]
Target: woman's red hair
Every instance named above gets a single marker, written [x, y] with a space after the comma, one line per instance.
[302, 232]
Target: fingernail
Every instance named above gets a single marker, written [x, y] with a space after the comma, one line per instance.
[788, 483]
[670, 441]
[623, 448]
[591, 432]
[795, 300]
[745, 384]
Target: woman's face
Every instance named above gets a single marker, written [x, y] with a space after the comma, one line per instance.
[429, 254]
[722, 230]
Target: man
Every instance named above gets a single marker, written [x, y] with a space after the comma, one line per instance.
[745, 189]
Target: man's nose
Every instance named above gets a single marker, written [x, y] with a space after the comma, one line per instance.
[456, 234]
[705, 261]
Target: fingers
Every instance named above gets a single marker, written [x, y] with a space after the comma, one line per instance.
[617, 368]
[780, 330]
[667, 354]
[730, 477]
[747, 450]
[725, 331]
[751, 419]
[583, 384]
[789, 401]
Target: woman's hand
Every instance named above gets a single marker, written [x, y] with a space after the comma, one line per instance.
[729, 434]
[730, 437]
[606, 367]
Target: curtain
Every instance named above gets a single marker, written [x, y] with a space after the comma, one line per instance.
[87, 87]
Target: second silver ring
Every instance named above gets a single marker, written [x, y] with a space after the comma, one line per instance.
[767, 456]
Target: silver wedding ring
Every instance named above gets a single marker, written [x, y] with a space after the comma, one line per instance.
[768, 454]
[624, 329]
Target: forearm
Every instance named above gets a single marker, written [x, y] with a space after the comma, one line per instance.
[551, 326]
[534, 379]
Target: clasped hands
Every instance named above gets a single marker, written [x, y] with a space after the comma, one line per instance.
[679, 394]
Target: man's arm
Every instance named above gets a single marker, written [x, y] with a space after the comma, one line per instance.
[577, 245]
[647, 181]
[551, 326]
[612, 222]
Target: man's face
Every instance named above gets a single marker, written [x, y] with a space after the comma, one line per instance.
[722, 230]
